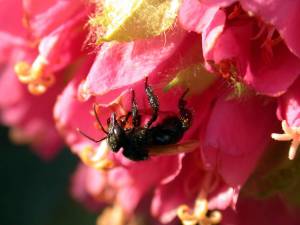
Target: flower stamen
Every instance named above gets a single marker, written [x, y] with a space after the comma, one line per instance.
[290, 134]
[34, 75]
[269, 38]
[226, 68]
[200, 215]
[112, 215]
[97, 159]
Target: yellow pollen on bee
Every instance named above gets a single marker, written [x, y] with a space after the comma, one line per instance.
[290, 134]
[97, 159]
[37, 80]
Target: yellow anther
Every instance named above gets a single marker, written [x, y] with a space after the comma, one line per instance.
[27, 73]
[97, 159]
[199, 215]
[186, 215]
[116, 215]
[113, 215]
[290, 134]
[215, 217]
[34, 75]
[201, 208]
[22, 69]
[48, 80]
[36, 88]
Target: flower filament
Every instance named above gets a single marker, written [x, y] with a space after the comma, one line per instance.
[200, 215]
[97, 159]
[290, 134]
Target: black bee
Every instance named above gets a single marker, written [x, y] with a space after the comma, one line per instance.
[140, 142]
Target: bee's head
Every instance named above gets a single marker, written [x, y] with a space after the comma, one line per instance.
[115, 134]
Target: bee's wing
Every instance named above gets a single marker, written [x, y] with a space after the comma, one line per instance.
[173, 149]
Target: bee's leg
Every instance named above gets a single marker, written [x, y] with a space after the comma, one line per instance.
[136, 117]
[154, 103]
[185, 114]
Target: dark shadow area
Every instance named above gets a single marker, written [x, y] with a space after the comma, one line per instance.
[34, 192]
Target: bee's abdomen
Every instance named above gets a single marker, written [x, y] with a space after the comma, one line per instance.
[169, 131]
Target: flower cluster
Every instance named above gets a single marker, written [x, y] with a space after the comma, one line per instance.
[68, 65]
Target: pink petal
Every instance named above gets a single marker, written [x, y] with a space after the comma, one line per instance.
[223, 197]
[70, 113]
[185, 187]
[121, 64]
[289, 105]
[132, 184]
[86, 185]
[45, 16]
[211, 34]
[194, 16]
[233, 43]
[64, 45]
[236, 135]
[273, 79]
[236, 44]
[218, 3]
[283, 15]
[13, 11]
[12, 34]
[30, 114]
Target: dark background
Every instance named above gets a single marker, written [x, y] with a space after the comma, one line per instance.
[34, 192]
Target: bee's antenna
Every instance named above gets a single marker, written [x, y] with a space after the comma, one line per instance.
[98, 120]
[90, 138]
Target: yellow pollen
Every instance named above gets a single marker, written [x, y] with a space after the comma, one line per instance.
[97, 159]
[114, 215]
[199, 215]
[290, 134]
[34, 75]
[36, 88]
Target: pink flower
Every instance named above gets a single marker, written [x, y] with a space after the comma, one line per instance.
[45, 47]
[226, 145]
[251, 48]
[88, 185]
[271, 12]
[258, 52]
[29, 116]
